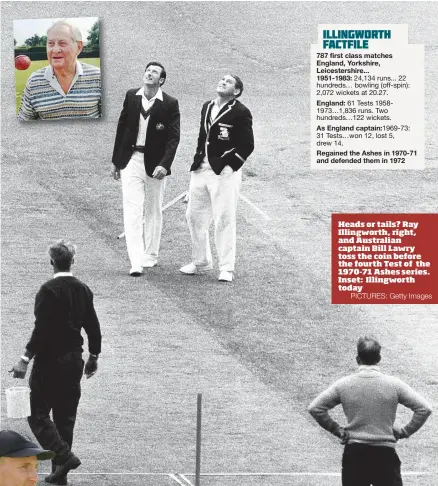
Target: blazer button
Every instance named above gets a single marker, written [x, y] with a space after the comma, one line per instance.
[132, 146]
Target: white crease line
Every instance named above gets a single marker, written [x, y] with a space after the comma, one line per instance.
[415, 473]
[186, 480]
[174, 200]
[176, 479]
[111, 474]
[404, 473]
[255, 207]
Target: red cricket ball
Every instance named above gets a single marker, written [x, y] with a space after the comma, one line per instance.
[22, 62]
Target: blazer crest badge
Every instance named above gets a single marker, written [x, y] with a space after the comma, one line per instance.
[224, 133]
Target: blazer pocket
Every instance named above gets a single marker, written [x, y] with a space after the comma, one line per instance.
[227, 152]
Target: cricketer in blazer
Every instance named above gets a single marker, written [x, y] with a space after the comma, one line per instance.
[162, 136]
[230, 139]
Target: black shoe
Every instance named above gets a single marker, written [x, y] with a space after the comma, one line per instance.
[61, 470]
[62, 481]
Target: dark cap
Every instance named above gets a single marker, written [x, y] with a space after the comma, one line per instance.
[12, 444]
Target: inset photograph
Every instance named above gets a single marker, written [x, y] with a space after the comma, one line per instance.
[57, 68]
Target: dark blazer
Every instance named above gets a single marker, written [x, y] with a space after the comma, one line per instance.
[230, 139]
[162, 136]
[63, 306]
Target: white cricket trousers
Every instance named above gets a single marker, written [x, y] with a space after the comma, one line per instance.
[213, 198]
[142, 216]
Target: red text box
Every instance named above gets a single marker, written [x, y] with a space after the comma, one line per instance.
[384, 258]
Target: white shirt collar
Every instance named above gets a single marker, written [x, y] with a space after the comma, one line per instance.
[48, 73]
[63, 274]
[369, 368]
[158, 95]
[217, 102]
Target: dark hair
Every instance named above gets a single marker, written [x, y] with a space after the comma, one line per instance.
[62, 255]
[368, 350]
[238, 84]
[163, 71]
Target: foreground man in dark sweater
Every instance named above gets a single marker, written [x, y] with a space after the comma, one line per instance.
[370, 399]
[63, 306]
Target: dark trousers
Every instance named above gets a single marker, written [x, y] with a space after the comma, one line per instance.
[365, 465]
[55, 387]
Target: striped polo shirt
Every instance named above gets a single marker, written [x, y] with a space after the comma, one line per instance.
[44, 98]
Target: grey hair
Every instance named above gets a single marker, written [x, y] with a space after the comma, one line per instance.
[62, 254]
[76, 33]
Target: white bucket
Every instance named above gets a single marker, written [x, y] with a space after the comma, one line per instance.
[18, 402]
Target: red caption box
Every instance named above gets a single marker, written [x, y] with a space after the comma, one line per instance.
[384, 258]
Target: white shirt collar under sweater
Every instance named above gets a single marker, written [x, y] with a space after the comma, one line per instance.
[158, 95]
[63, 274]
[368, 369]
[143, 124]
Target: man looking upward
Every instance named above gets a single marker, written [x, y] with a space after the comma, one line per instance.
[147, 138]
[225, 142]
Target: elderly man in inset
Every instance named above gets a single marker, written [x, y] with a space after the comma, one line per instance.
[225, 142]
[66, 88]
[19, 459]
[369, 399]
[63, 307]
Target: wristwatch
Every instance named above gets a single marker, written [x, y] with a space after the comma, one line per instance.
[25, 359]
[94, 355]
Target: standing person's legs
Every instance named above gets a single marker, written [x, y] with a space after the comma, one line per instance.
[224, 198]
[355, 465]
[44, 429]
[153, 219]
[386, 471]
[199, 218]
[66, 401]
[66, 392]
[133, 178]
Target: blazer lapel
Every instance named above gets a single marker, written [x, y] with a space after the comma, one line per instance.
[207, 116]
[136, 112]
[226, 109]
[156, 107]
